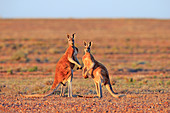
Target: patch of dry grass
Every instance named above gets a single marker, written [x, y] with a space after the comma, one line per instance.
[127, 85]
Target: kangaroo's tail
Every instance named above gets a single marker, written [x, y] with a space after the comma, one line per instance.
[109, 88]
[51, 91]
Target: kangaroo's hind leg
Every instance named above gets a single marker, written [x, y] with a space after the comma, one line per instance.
[97, 88]
[62, 90]
[70, 85]
[98, 82]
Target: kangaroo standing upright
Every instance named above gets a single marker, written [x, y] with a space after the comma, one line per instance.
[64, 70]
[98, 72]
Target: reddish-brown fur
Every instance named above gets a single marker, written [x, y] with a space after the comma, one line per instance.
[97, 71]
[64, 69]
[88, 59]
[64, 66]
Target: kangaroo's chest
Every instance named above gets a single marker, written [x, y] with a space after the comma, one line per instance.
[87, 61]
[75, 53]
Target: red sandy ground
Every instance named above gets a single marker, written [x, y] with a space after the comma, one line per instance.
[118, 43]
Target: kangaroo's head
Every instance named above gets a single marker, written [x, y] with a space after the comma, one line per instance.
[71, 39]
[87, 46]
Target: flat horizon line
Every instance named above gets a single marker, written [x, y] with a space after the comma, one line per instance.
[86, 18]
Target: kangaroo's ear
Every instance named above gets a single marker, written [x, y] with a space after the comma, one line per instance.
[68, 36]
[90, 43]
[73, 35]
[85, 43]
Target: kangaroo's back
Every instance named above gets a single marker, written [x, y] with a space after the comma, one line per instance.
[63, 67]
[64, 72]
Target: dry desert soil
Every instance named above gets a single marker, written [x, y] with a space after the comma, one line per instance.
[136, 53]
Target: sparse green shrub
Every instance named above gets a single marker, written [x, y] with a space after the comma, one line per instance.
[145, 81]
[115, 49]
[32, 69]
[140, 83]
[168, 83]
[129, 80]
[161, 82]
[10, 71]
[154, 76]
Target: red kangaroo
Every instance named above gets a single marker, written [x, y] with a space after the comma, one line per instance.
[64, 70]
[97, 71]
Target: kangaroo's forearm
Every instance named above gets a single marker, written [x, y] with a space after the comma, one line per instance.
[84, 69]
[76, 59]
[90, 67]
[72, 61]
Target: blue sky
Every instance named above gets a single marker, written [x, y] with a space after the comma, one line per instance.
[85, 9]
